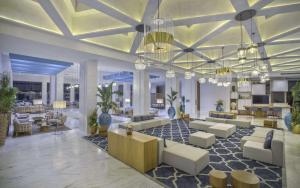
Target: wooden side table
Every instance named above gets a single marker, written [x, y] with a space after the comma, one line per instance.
[271, 123]
[217, 179]
[243, 179]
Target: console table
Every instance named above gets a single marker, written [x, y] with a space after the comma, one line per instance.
[137, 150]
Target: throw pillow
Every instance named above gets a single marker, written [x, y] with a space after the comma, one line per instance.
[165, 144]
[268, 140]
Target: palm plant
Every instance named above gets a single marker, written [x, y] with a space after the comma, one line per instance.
[105, 94]
[7, 100]
[296, 104]
[172, 97]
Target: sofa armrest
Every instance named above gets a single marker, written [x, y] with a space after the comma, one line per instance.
[277, 147]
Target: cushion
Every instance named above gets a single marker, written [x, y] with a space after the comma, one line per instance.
[268, 140]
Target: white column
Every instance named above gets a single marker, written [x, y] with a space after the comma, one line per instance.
[87, 92]
[72, 95]
[6, 66]
[59, 86]
[174, 84]
[52, 89]
[189, 90]
[141, 93]
[44, 92]
[126, 94]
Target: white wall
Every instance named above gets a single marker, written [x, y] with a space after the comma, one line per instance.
[209, 94]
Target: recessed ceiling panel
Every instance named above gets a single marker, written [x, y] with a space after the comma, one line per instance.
[27, 12]
[121, 42]
[277, 24]
[228, 37]
[132, 8]
[177, 9]
[93, 20]
[275, 49]
[188, 35]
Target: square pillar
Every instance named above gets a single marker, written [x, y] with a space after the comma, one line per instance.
[59, 86]
[174, 84]
[52, 89]
[189, 90]
[87, 92]
[44, 92]
[72, 94]
[141, 93]
[126, 95]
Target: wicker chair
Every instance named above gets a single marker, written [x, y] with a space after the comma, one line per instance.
[22, 126]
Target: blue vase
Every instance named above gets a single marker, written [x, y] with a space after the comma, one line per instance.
[171, 112]
[104, 120]
[288, 121]
[219, 108]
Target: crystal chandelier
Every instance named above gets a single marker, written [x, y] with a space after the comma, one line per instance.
[224, 74]
[159, 37]
[255, 72]
[170, 73]
[253, 47]
[242, 52]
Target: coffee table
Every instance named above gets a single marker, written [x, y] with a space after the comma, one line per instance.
[244, 179]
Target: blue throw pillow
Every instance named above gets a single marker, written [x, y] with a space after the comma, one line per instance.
[268, 140]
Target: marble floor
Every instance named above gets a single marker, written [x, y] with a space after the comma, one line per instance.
[67, 160]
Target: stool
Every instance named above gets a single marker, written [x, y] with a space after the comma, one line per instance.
[217, 179]
[243, 179]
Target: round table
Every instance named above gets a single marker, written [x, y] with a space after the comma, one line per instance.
[243, 179]
[217, 179]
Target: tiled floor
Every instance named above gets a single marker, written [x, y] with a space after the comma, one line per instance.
[67, 160]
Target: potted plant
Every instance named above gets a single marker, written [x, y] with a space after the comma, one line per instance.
[296, 108]
[182, 105]
[171, 99]
[219, 106]
[7, 100]
[105, 104]
[93, 122]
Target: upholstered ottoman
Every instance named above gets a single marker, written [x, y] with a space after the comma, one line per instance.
[222, 130]
[201, 125]
[202, 139]
[186, 158]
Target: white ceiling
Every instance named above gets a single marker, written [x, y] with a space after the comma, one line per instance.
[203, 25]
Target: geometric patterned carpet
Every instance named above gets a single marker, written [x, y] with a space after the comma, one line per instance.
[224, 155]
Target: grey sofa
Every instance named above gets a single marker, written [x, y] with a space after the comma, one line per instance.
[253, 146]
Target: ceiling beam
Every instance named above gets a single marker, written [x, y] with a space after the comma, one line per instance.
[284, 34]
[150, 10]
[271, 11]
[55, 16]
[98, 5]
[285, 52]
[105, 32]
[288, 68]
[287, 62]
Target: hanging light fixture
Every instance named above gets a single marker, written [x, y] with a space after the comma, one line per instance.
[202, 80]
[255, 72]
[159, 37]
[140, 63]
[170, 73]
[187, 74]
[253, 47]
[242, 52]
[242, 60]
[224, 73]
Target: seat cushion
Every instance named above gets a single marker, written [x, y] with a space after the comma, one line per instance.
[201, 125]
[222, 130]
[202, 139]
[256, 151]
[251, 138]
[186, 158]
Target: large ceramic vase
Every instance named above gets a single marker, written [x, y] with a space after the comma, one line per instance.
[104, 123]
[3, 128]
[219, 108]
[288, 121]
[171, 112]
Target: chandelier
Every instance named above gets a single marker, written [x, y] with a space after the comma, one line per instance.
[224, 74]
[140, 63]
[170, 73]
[242, 52]
[253, 47]
[159, 38]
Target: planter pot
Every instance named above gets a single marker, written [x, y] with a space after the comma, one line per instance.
[93, 130]
[296, 129]
[103, 131]
[3, 128]
[104, 123]
[288, 121]
[171, 112]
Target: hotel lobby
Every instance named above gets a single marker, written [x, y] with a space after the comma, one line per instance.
[149, 93]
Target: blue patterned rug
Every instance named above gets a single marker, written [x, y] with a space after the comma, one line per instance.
[225, 155]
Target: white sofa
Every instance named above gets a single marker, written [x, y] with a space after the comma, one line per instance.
[253, 146]
[146, 124]
[184, 157]
[237, 122]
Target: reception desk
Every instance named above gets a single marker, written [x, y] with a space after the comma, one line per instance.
[259, 112]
